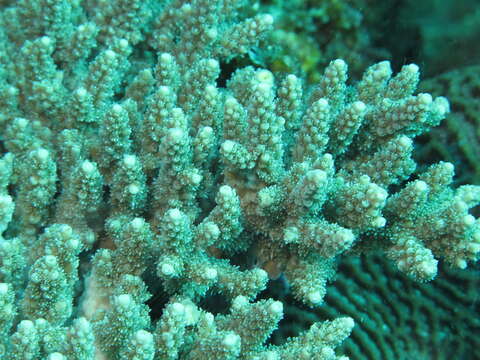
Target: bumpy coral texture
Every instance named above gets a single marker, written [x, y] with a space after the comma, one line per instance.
[457, 138]
[139, 179]
[395, 318]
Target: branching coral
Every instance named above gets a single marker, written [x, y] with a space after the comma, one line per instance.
[127, 171]
[457, 138]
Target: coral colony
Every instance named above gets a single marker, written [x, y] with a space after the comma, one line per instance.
[139, 179]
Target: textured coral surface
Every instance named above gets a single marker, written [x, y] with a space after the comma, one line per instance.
[157, 181]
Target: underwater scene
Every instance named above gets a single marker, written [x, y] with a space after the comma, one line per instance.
[239, 180]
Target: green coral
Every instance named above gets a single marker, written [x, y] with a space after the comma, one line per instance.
[457, 138]
[395, 317]
[140, 175]
[311, 33]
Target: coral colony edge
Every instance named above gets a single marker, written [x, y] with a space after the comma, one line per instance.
[148, 197]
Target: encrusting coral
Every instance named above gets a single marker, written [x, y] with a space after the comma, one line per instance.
[128, 169]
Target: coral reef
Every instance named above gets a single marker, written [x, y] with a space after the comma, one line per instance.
[457, 139]
[395, 318]
[308, 34]
[142, 181]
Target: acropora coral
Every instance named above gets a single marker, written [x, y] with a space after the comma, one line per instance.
[139, 178]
